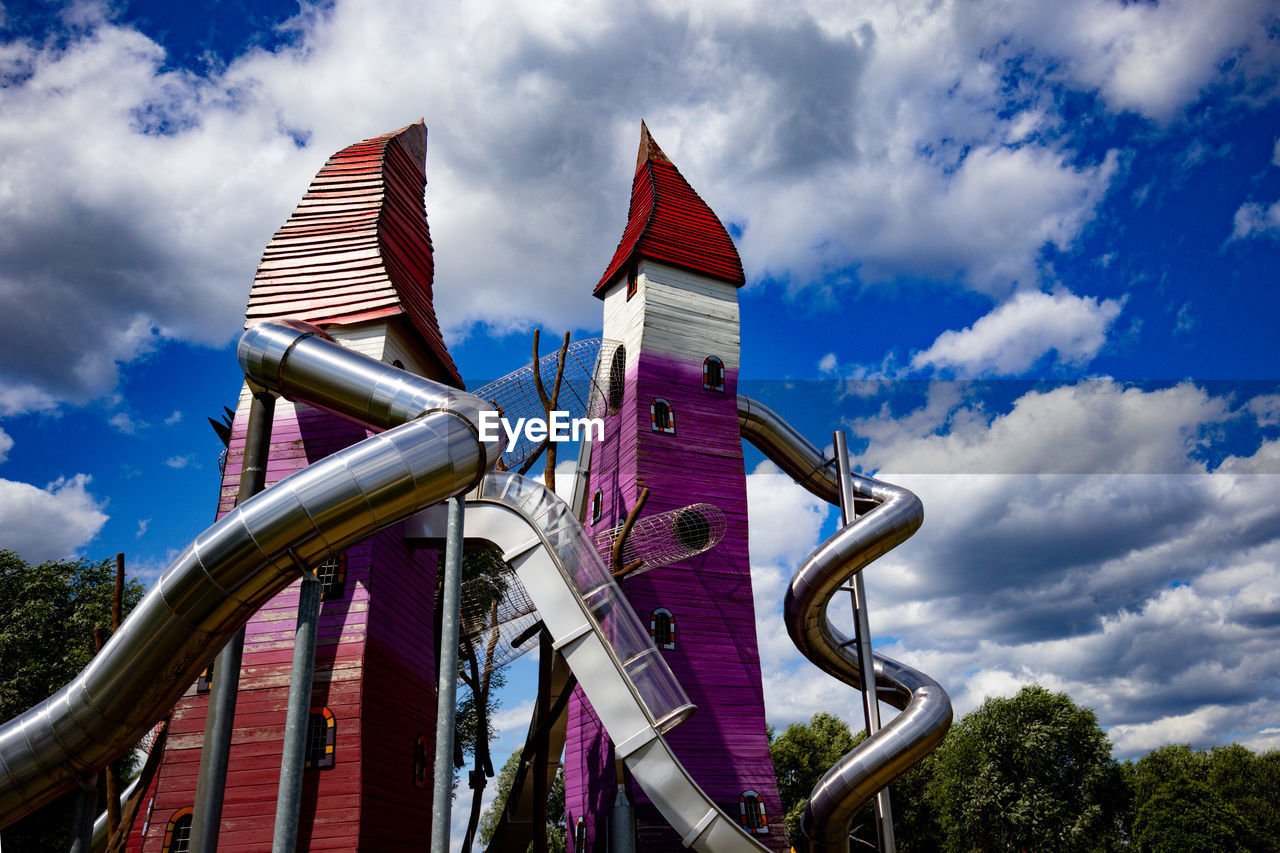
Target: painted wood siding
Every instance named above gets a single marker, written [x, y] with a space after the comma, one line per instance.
[669, 326]
[357, 247]
[374, 669]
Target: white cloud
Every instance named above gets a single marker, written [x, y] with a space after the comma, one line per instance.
[1148, 58]
[179, 462]
[1266, 408]
[1093, 426]
[137, 198]
[6, 444]
[1254, 220]
[123, 422]
[1275, 154]
[1017, 334]
[143, 524]
[173, 419]
[1095, 583]
[49, 523]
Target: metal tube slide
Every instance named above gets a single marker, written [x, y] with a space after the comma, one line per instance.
[238, 564]
[925, 707]
[613, 657]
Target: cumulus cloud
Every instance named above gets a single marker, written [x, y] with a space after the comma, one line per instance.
[124, 423]
[138, 196]
[1253, 220]
[1021, 331]
[49, 523]
[1094, 426]
[6, 444]
[1148, 58]
[1089, 569]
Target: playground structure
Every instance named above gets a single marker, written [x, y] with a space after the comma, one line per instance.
[629, 704]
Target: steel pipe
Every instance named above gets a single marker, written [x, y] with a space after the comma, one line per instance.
[217, 583]
[925, 709]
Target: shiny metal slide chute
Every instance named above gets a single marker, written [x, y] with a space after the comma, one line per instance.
[238, 564]
[892, 515]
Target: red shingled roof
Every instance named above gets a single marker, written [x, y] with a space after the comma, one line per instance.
[357, 246]
[669, 222]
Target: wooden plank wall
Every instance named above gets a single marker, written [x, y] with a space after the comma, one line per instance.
[375, 671]
[669, 326]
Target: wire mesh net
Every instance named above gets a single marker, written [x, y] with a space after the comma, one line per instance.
[664, 537]
[495, 610]
[592, 377]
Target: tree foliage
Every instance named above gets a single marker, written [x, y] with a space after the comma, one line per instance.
[1227, 798]
[1033, 772]
[47, 616]
[801, 755]
[556, 837]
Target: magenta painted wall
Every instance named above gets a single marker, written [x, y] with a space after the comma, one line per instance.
[374, 670]
[716, 658]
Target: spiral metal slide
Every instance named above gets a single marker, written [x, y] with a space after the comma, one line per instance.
[429, 452]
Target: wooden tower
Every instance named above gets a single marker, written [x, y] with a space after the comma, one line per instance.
[355, 258]
[670, 297]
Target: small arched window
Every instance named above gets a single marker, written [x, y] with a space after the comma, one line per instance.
[713, 374]
[617, 378]
[177, 835]
[662, 627]
[322, 738]
[332, 574]
[580, 836]
[661, 417]
[633, 280]
[597, 506]
[420, 753]
[205, 682]
[751, 813]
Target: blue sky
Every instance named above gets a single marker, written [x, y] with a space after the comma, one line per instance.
[1025, 252]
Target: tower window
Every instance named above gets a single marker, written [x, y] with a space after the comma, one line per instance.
[597, 506]
[662, 627]
[633, 280]
[580, 836]
[616, 380]
[713, 374]
[322, 736]
[205, 682]
[661, 418]
[751, 813]
[332, 574]
[177, 835]
[420, 752]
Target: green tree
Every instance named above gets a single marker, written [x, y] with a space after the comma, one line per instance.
[1191, 800]
[1187, 816]
[801, 755]
[47, 616]
[1030, 773]
[556, 838]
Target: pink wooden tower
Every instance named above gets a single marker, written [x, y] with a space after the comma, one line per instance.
[355, 258]
[670, 297]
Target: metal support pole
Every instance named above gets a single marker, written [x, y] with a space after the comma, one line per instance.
[866, 661]
[293, 760]
[211, 782]
[82, 817]
[447, 684]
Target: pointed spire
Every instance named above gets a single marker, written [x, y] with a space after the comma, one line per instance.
[649, 149]
[670, 223]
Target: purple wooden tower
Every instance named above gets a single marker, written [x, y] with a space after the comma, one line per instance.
[670, 297]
